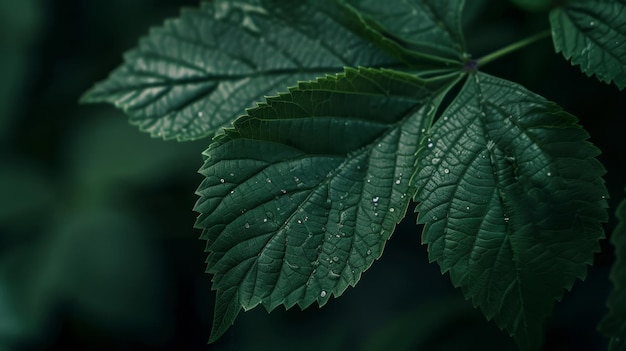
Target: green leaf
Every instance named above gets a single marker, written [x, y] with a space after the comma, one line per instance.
[592, 34]
[424, 26]
[533, 5]
[614, 324]
[301, 196]
[512, 200]
[195, 74]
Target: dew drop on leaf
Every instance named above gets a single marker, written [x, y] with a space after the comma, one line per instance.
[323, 293]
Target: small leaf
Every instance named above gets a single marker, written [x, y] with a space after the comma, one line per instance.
[301, 196]
[614, 324]
[195, 74]
[592, 34]
[424, 26]
[512, 199]
[533, 5]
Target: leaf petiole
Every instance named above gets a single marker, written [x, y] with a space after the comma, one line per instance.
[511, 48]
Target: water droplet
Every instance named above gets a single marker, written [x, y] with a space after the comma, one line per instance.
[264, 220]
[232, 191]
[299, 221]
[430, 145]
[243, 210]
[222, 180]
[200, 114]
[391, 209]
[398, 181]
[445, 118]
[549, 174]
[467, 208]
[369, 252]
[335, 258]
[268, 180]
[323, 293]
[375, 199]
[232, 174]
[592, 23]
[446, 171]
[283, 191]
[423, 130]
[435, 160]
[247, 225]
[434, 218]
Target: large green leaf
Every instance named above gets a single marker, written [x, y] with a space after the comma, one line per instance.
[300, 198]
[424, 26]
[614, 324]
[592, 34]
[195, 74]
[512, 199]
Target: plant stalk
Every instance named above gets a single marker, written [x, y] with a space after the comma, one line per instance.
[513, 47]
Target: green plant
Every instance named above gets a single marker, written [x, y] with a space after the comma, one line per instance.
[302, 192]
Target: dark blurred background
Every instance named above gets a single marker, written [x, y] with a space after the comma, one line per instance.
[97, 246]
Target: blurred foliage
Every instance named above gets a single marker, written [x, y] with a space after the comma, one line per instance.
[97, 246]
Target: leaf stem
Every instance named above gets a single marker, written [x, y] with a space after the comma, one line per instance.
[513, 47]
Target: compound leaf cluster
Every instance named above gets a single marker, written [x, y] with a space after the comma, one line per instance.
[301, 193]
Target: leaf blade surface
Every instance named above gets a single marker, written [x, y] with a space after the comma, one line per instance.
[614, 323]
[511, 196]
[592, 34]
[193, 76]
[423, 26]
[300, 197]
